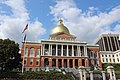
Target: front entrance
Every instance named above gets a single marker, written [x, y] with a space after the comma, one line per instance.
[65, 63]
[53, 62]
[59, 63]
[70, 63]
[46, 62]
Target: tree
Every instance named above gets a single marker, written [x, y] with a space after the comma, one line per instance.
[9, 55]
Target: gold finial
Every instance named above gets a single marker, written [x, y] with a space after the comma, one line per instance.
[60, 22]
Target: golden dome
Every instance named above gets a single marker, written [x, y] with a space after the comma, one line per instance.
[60, 28]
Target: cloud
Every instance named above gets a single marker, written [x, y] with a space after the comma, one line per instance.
[117, 28]
[87, 25]
[13, 21]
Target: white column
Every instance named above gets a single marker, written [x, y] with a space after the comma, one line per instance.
[51, 49]
[61, 50]
[114, 75]
[110, 70]
[56, 50]
[84, 75]
[79, 51]
[97, 58]
[81, 76]
[41, 52]
[111, 77]
[84, 51]
[103, 75]
[67, 50]
[43, 48]
[91, 75]
[72, 50]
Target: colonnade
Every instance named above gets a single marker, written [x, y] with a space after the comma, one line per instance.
[64, 50]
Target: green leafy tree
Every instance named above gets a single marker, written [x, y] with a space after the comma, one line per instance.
[9, 55]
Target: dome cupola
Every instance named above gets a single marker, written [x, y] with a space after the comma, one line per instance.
[60, 28]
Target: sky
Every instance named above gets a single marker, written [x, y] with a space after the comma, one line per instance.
[85, 19]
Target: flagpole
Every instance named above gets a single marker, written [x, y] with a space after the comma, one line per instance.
[23, 56]
[24, 47]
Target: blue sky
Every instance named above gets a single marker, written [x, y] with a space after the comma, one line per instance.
[87, 20]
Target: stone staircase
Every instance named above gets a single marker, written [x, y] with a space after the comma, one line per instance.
[73, 72]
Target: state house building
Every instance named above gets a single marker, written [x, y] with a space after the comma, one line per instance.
[61, 50]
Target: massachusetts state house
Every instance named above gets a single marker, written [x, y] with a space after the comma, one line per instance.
[61, 50]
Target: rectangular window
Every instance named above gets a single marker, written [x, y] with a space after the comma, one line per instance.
[103, 59]
[113, 60]
[112, 55]
[116, 55]
[110, 60]
[109, 55]
[106, 60]
[105, 55]
[118, 59]
[102, 55]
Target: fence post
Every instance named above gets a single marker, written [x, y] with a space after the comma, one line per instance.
[103, 75]
[111, 71]
[82, 73]
[91, 75]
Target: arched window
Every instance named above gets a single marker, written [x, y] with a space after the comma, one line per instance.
[38, 53]
[26, 52]
[31, 61]
[37, 61]
[32, 52]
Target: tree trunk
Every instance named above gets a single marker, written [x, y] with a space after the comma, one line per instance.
[1, 69]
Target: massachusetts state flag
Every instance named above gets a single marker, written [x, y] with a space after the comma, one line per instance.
[26, 27]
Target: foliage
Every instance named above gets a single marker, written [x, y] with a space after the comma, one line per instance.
[41, 75]
[116, 67]
[52, 75]
[9, 56]
[117, 73]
